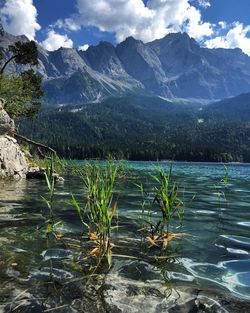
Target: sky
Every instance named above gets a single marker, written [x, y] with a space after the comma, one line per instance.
[81, 23]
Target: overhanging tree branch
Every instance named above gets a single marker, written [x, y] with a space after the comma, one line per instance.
[6, 63]
[37, 144]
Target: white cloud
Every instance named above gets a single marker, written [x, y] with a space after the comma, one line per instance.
[235, 38]
[67, 23]
[83, 48]
[195, 27]
[204, 3]
[19, 17]
[55, 41]
[223, 24]
[133, 18]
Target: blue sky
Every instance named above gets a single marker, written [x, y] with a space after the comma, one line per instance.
[79, 23]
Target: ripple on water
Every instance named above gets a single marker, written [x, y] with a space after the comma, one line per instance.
[236, 265]
[244, 224]
[237, 251]
[207, 212]
[180, 277]
[233, 275]
[240, 240]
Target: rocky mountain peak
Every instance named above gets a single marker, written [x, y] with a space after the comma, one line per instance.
[174, 41]
[130, 43]
[103, 58]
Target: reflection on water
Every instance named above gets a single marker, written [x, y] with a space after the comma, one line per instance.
[214, 252]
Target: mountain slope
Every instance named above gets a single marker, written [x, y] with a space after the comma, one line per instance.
[235, 109]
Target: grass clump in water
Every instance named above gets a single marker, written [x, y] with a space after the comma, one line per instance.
[164, 197]
[100, 206]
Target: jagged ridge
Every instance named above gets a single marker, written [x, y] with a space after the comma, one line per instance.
[174, 66]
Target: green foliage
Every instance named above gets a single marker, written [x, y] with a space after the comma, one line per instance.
[21, 93]
[26, 53]
[23, 53]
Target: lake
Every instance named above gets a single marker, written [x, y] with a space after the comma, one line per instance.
[210, 259]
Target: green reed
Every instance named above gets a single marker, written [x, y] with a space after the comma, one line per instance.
[100, 206]
[164, 197]
[49, 200]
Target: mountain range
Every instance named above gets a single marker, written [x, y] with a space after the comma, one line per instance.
[175, 66]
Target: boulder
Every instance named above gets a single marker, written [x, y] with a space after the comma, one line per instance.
[12, 160]
[7, 125]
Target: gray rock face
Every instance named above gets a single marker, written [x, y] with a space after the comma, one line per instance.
[7, 125]
[12, 160]
[142, 63]
[196, 72]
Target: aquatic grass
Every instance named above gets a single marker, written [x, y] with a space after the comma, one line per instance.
[50, 181]
[225, 179]
[100, 206]
[165, 197]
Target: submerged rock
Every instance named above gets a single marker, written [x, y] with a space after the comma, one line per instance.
[35, 173]
[135, 286]
[57, 254]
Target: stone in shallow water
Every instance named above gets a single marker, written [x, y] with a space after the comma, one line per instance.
[39, 173]
[58, 254]
[139, 271]
[12, 273]
[134, 287]
[45, 273]
[133, 293]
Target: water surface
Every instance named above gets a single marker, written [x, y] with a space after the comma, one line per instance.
[213, 252]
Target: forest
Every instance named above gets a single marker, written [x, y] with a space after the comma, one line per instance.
[146, 128]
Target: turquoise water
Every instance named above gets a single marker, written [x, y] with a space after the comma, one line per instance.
[213, 252]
